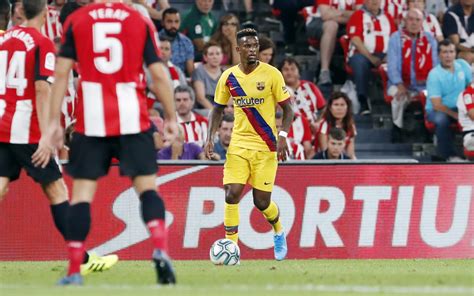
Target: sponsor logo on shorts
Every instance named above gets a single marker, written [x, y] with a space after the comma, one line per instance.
[267, 183]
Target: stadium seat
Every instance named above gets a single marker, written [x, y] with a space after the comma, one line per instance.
[345, 42]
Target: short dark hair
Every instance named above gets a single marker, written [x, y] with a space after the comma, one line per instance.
[445, 43]
[227, 118]
[68, 9]
[289, 61]
[32, 8]
[185, 89]
[169, 10]
[337, 134]
[246, 32]
[165, 39]
[209, 45]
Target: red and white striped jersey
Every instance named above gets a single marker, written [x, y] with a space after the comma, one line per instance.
[295, 150]
[431, 24]
[308, 99]
[110, 42]
[195, 130]
[394, 8]
[464, 104]
[300, 130]
[52, 27]
[374, 31]
[26, 56]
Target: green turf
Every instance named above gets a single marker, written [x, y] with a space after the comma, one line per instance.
[264, 277]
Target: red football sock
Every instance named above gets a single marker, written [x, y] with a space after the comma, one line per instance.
[159, 234]
[76, 256]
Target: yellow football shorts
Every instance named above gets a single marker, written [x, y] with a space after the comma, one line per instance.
[258, 168]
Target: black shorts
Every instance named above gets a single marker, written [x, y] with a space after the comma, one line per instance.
[13, 157]
[90, 157]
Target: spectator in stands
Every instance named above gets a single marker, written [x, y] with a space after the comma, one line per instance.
[176, 75]
[436, 8]
[430, 22]
[225, 36]
[230, 5]
[288, 13]
[267, 50]
[206, 75]
[394, 8]
[155, 13]
[338, 113]
[412, 53]
[336, 146]
[458, 25]
[229, 109]
[309, 99]
[465, 106]
[181, 46]
[179, 149]
[328, 24]
[224, 134]
[58, 4]
[199, 24]
[445, 82]
[194, 124]
[295, 149]
[369, 30]
[17, 17]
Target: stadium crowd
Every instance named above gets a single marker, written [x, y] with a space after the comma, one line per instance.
[422, 51]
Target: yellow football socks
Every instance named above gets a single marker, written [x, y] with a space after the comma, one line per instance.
[231, 221]
[272, 214]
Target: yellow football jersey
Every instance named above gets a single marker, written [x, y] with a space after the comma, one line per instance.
[255, 96]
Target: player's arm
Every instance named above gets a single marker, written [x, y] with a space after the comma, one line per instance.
[282, 147]
[215, 118]
[440, 107]
[43, 90]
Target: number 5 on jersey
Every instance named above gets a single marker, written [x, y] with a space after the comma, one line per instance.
[103, 42]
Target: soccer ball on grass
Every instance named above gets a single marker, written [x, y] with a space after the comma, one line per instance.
[224, 252]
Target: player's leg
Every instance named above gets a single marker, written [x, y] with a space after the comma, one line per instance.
[263, 167]
[233, 192]
[4, 181]
[138, 160]
[236, 175]
[89, 160]
[9, 168]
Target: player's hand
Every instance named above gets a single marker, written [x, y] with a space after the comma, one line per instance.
[209, 150]
[43, 153]
[282, 148]
[171, 131]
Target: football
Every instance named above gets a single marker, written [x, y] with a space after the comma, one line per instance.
[224, 252]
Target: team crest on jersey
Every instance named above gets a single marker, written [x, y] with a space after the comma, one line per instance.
[261, 85]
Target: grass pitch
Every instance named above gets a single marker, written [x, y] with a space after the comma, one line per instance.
[263, 277]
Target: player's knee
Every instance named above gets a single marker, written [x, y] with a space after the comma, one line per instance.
[56, 191]
[232, 195]
[261, 204]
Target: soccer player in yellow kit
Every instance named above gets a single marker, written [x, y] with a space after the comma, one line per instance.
[252, 157]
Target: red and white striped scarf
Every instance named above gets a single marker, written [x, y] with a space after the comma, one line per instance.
[423, 57]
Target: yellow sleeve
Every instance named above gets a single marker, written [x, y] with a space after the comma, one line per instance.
[222, 94]
[280, 92]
